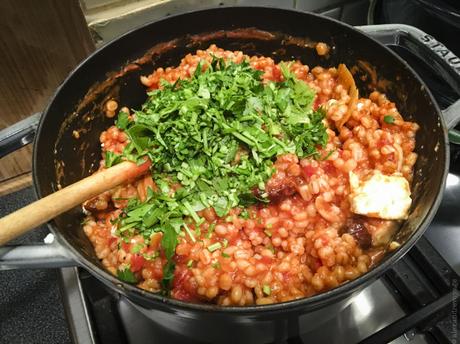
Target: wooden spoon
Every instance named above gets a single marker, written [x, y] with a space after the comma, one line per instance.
[43, 210]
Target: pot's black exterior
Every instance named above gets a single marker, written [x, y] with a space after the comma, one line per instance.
[59, 158]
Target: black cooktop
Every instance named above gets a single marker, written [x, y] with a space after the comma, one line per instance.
[31, 308]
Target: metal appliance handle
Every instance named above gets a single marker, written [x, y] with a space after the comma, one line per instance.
[51, 255]
[437, 56]
[19, 134]
[40, 256]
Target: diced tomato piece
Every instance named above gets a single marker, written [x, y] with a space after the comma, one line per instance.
[286, 276]
[316, 103]
[309, 170]
[382, 142]
[137, 262]
[181, 259]
[182, 295]
[329, 167]
[182, 288]
[276, 73]
[112, 240]
[126, 247]
[154, 86]
[266, 260]
[181, 274]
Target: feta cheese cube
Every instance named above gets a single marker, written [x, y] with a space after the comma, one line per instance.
[380, 196]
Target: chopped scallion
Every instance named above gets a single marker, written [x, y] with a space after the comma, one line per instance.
[214, 247]
[266, 289]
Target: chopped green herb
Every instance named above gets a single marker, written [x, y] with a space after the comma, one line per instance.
[266, 289]
[111, 159]
[269, 225]
[327, 155]
[190, 263]
[216, 134]
[245, 214]
[225, 242]
[214, 247]
[126, 275]
[389, 119]
[168, 242]
[216, 265]
[136, 248]
[225, 255]
[189, 232]
[211, 228]
[122, 120]
[268, 233]
[151, 256]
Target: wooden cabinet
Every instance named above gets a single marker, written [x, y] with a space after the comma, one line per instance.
[40, 43]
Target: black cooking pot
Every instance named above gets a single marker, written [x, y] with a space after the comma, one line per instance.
[113, 72]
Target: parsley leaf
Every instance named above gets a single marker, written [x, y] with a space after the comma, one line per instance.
[122, 120]
[126, 275]
[111, 159]
[389, 119]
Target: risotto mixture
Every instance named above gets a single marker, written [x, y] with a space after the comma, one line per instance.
[315, 216]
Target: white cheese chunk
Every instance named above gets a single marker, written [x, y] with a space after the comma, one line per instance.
[380, 196]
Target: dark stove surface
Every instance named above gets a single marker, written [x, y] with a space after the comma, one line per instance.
[31, 309]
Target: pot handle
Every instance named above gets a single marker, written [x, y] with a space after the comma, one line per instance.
[437, 56]
[19, 134]
[51, 255]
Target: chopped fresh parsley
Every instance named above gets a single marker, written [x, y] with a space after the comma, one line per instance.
[216, 134]
[126, 275]
[122, 120]
[111, 159]
[151, 256]
[266, 289]
[244, 214]
[137, 248]
[389, 119]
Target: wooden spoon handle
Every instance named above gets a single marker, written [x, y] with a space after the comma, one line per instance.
[43, 210]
